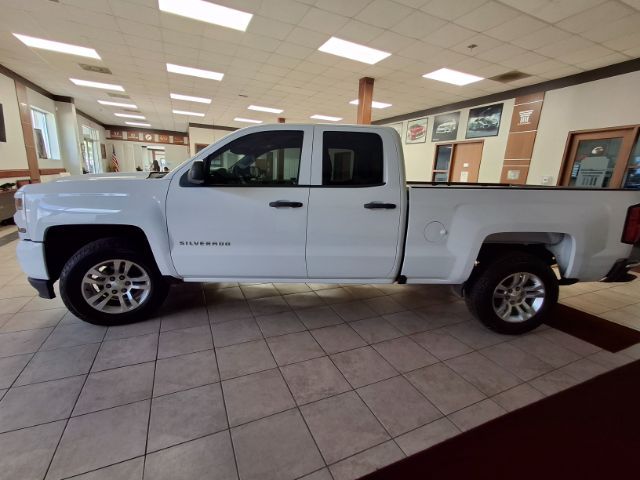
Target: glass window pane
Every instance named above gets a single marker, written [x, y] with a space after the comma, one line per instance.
[262, 158]
[594, 163]
[443, 157]
[632, 176]
[352, 158]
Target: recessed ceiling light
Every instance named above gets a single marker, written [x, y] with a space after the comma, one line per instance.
[207, 12]
[138, 124]
[246, 120]
[257, 108]
[117, 104]
[130, 115]
[373, 104]
[104, 86]
[326, 117]
[189, 98]
[194, 72]
[353, 51]
[452, 76]
[57, 46]
[192, 114]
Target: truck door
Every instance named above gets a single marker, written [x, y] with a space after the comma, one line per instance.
[356, 205]
[249, 218]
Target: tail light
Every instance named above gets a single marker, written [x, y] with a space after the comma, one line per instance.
[631, 232]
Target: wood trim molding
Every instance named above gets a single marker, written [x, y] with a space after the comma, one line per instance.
[569, 81]
[146, 130]
[213, 127]
[52, 171]
[14, 173]
[27, 131]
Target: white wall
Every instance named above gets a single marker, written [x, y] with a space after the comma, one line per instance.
[611, 102]
[419, 157]
[13, 155]
[204, 135]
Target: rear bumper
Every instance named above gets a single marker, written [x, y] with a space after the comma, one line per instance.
[44, 287]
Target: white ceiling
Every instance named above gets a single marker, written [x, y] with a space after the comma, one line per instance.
[276, 63]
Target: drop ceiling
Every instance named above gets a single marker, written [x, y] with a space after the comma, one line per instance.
[276, 62]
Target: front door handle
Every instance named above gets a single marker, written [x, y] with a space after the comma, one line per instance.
[285, 204]
[375, 205]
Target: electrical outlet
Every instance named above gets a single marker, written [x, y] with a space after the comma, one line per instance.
[547, 180]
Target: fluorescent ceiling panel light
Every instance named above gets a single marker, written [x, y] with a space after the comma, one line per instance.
[104, 86]
[189, 98]
[257, 108]
[154, 147]
[326, 117]
[57, 46]
[130, 115]
[192, 114]
[353, 51]
[246, 120]
[118, 104]
[373, 104]
[452, 76]
[207, 12]
[194, 72]
[138, 124]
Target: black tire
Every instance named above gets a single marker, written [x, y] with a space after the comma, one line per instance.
[479, 290]
[74, 271]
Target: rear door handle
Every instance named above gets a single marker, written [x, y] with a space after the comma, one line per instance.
[375, 205]
[285, 204]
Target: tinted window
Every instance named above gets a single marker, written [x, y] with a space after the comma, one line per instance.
[262, 158]
[350, 158]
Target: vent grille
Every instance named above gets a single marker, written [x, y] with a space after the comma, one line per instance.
[95, 68]
[118, 95]
[511, 76]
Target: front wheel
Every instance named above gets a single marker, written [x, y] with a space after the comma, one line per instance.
[109, 282]
[512, 294]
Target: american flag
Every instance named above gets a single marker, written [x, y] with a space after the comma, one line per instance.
[115, 166]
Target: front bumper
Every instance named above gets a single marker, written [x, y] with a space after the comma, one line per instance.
[31, 259]
[620, 271]
[44, 287]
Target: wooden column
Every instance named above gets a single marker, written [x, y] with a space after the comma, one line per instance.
[27, 132]
[365, 97]
[281, 119]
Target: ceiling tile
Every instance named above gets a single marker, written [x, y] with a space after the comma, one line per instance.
[595, 17]
[448, 35]
[515, 28]
[486, 16]
[418, 24]
[383, 13]
[322, 21]
[450, 10]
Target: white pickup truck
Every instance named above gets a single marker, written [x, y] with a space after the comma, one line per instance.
[316, 203]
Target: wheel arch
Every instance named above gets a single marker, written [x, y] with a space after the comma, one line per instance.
[62, 241]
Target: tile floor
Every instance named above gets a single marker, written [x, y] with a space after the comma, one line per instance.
[269, 381]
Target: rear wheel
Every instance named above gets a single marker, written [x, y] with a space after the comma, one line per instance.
[513, 293]
[109, 282]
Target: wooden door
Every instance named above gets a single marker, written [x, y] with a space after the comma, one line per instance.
[597, 159]
[465, 162]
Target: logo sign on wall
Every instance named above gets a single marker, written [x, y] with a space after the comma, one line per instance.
[484, 121]
[445, 127]
[416, 131]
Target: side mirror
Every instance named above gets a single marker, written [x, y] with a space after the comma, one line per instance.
[196, 173]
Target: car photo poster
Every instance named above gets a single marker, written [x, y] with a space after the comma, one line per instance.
[416, 131]
[484, 121]
[445, 127]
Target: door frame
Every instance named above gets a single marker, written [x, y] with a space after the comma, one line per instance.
[453, 151]
[629, 135]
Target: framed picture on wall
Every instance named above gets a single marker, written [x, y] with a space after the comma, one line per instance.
[416, 131]
[445, 127]
[103, 151]
[484, 121]
[397, 127]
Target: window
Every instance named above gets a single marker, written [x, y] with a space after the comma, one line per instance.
[257, 159]
[91, 150]
[44, 133]
[350, 158]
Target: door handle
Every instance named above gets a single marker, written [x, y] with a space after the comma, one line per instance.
[285, 204]
[377, 205]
